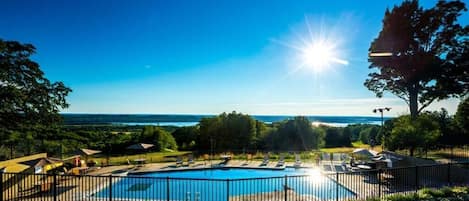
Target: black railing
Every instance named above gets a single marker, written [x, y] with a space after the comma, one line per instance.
[314, 186]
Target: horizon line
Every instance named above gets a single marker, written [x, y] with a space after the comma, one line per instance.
[192, 114]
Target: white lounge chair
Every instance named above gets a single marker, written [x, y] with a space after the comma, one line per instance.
[179, 161]
[281, 161]
[190, 160]
[297, 161]
[266, 160]
[326, 156]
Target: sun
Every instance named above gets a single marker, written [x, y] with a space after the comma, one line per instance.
[317, 50]
[317, 56]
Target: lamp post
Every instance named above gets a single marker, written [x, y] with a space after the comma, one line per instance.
[381, 110]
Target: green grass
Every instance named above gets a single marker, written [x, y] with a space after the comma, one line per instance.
[355, 145]
[152, 157]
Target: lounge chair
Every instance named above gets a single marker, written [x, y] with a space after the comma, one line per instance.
[248, 159]
[327, 168]
[336, 157]
[340, 168]
[190, 160]
[281, 161]
[265, 161]
[297, 161]
[178, 161]
[325, 156]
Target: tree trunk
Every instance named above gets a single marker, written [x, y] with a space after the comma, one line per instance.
[413, 101]
[11, 152]
[411, 150]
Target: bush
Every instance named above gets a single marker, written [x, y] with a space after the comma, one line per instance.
[443, 194]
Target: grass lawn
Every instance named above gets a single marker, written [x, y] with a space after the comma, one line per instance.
[166, 156]
[151, 157]
[355, 145]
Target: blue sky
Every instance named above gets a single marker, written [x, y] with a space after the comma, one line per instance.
[203, 57]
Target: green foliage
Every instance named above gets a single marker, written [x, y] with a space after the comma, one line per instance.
[231, 131]
[27, 98]
[159, 137]
[296, 134]
[370, 135]
[430, 53]
[443, 194]
[336, 137]
[410, 134]
[186, 137]
[450, 133]
[402, 197]
[462, 115]
[29, 102]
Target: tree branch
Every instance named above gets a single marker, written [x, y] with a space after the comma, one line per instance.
[427, 104]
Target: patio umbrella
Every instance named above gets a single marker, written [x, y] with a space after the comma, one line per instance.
[365, 152]
[140, 146]
[45, 164]
[86, 153]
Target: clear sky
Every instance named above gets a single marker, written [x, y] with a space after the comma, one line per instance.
[204, 57]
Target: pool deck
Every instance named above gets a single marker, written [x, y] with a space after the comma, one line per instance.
[156, 167]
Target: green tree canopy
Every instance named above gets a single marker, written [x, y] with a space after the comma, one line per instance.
[297, 134]
[186, 136]
[161, 138]
[336, 137]
[26, 96]
[408, 134]
[462, 115]
[233, 131]
[29, 102]
[430, 54]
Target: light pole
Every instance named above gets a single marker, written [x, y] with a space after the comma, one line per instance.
[381, 110]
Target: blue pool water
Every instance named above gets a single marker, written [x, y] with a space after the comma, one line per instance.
[217, 184]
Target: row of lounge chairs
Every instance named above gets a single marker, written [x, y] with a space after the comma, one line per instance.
[281, 161]
[265, 161]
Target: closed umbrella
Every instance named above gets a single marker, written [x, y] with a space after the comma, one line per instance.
[141, 147]
[86, 152]
[365, 152]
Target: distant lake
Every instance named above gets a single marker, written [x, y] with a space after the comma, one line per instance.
[191, 120]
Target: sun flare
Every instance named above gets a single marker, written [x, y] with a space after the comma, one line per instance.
[318, 56]
[317, 50]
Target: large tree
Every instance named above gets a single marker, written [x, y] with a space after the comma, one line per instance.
[28, 100]
[421, 55]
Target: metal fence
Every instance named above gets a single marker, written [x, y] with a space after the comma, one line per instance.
[314, 186]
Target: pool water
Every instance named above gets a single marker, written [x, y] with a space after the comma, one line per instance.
[219, 184]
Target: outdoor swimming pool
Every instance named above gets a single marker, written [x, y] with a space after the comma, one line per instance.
[220, 184]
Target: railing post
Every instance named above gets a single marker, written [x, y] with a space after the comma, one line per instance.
[285, 187]
[416, 178]
[379, 183]
[337, 186]
[449, 174]
[110, 187]
[227, 189]
[167, 188]
[54, 184]
[1, 185]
